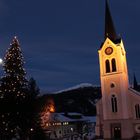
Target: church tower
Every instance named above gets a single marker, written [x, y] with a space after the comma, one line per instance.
[114, 109]
[113, 72]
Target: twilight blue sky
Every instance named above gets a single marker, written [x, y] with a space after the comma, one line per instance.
[60, 38]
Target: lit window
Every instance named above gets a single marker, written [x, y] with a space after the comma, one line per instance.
[107, 66]
[113, 61]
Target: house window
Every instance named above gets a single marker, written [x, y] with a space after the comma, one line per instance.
[107, 64]
[114, 103]
[137, 111]
[113, 61]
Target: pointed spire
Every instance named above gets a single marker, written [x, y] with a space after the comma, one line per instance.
[135, 83]
[109, 26]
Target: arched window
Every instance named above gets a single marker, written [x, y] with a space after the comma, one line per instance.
[113, 61]
[114, 103]
[107, 64]
[137, 111]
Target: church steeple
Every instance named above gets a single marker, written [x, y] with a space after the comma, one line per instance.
[135, 84]
[109, 26]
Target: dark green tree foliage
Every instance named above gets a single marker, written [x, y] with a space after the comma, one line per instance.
[38, 133]
[33, 89]
[13, 93]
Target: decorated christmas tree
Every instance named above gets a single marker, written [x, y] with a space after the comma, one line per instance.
[13, 93]
[14, 82]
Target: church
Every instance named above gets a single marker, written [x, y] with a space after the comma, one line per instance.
[118, 111]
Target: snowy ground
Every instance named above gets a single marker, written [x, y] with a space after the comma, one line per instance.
[89, 136]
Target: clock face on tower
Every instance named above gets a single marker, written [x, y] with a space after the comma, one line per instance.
[109, 50]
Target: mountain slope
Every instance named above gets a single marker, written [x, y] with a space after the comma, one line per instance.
[81, 99]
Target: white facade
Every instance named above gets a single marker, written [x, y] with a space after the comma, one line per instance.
[118, 111]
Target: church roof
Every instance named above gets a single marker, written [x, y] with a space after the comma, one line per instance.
[133, 91]
[110, 31]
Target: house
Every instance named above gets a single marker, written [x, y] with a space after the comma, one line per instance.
[67, 126]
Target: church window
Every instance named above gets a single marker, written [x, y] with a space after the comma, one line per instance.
[137, 111]
[122, 51]
[112, 85]
[107, 66]
[114, 103]
[113, 65]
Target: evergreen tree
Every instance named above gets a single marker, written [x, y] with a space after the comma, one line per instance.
[14, 83]
[13, 93]
[33, 89]
[18, 114]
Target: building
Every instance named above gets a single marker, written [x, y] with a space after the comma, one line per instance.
[69, 126]
[118, 111]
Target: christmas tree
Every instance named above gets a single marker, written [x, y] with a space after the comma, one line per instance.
[14, 80]
[13, 93]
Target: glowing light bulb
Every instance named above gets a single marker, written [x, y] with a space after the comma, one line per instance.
[1, 61]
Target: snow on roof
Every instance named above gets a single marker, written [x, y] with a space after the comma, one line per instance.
[74, 113]
[91, 119]
[61, 117]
